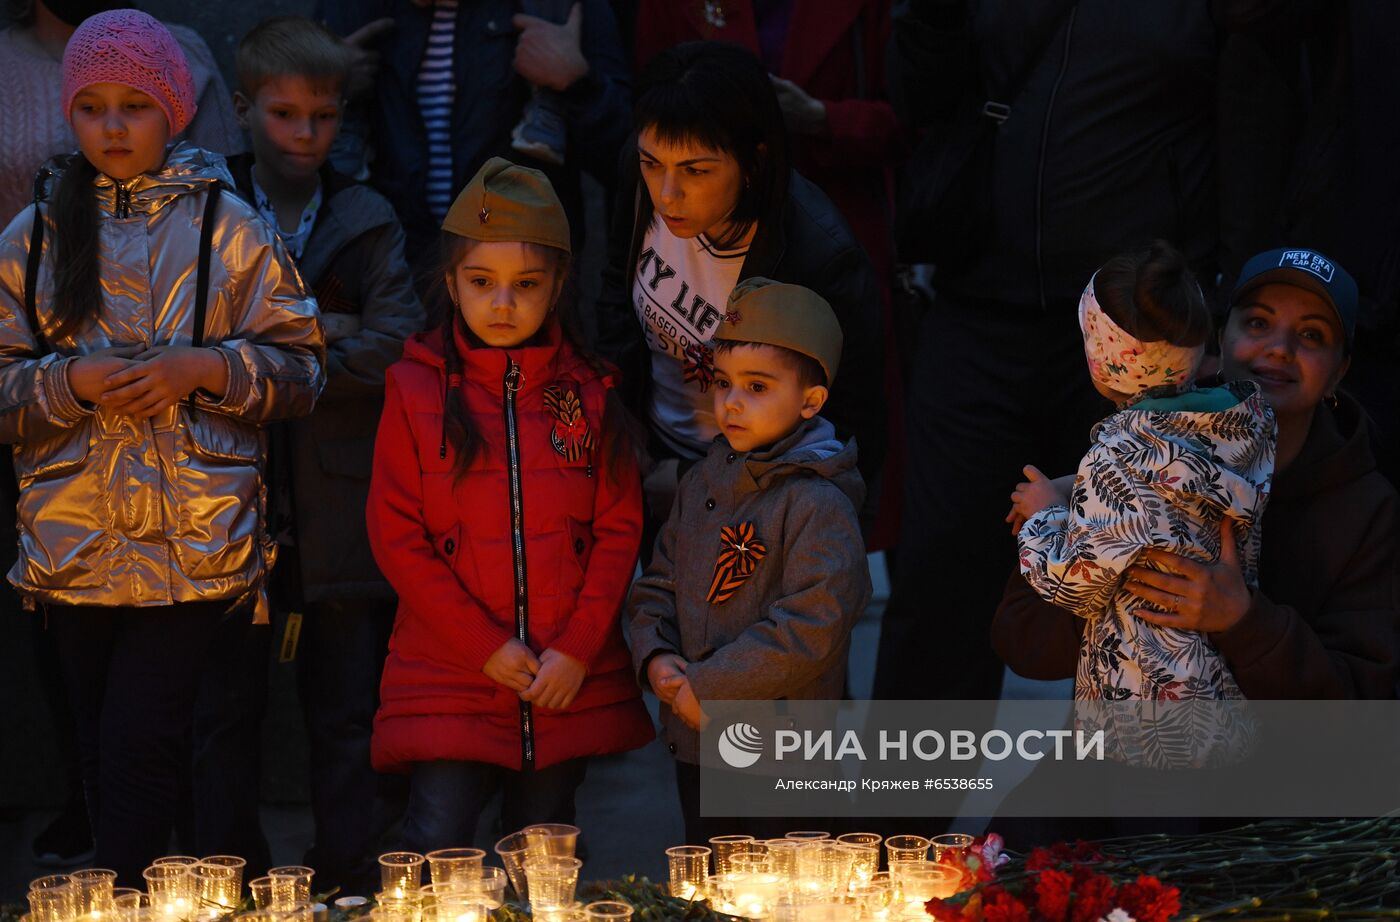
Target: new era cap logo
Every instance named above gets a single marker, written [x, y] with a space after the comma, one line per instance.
[1308, 261]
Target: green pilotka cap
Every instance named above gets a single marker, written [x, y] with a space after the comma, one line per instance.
[761, 310]
[507, 202]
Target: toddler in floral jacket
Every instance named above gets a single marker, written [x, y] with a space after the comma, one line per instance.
[1177, 468]
[759, 574]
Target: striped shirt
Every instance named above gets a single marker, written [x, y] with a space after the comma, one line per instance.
[437, 89]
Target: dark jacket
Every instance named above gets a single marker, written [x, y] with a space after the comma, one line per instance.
[1110, 143]
[450, 545]
[354, 263]
[489, 103]
[806, 243]
[1324, 619]
[786, 629]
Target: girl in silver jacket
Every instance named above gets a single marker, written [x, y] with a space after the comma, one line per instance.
[145, 335]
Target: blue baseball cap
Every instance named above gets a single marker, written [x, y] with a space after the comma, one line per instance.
[1309, 270]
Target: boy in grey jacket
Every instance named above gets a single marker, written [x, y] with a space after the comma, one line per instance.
[760, 572]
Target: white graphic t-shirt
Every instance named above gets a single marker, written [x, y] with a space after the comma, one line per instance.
[679, 294]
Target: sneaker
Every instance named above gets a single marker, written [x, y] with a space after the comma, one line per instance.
[67, 841]
[542, 133]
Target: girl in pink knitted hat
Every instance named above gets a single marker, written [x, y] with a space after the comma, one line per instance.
[149, 323]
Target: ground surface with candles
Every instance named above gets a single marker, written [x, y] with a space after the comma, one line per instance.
[1285, 870]
[1280, 871]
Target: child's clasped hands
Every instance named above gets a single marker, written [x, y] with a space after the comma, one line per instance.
[550, 680]
[141, 382]
[666, 673]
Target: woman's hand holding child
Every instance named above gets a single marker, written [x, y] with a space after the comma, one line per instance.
[1196, 596]
[557, 681]
[1037, 492]
[512, 665]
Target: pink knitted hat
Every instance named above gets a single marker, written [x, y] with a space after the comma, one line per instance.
[135, 50]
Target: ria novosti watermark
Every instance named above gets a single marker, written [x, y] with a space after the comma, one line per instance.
[1050, 758]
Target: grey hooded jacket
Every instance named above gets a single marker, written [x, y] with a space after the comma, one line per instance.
[119, 511]
[786, 629]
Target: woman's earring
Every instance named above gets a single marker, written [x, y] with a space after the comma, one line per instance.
[1331, 401]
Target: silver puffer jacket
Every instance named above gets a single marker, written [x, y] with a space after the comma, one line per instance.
[119, 511]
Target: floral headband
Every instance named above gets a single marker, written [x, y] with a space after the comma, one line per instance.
[1124, 363]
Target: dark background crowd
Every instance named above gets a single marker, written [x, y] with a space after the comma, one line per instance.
[988, 155]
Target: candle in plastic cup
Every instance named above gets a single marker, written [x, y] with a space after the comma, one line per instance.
[297, 912]
[544, 839]
[802, 835]
[905, 848]
[608, 911]
[171, 889]
[95, 887]
[724, 846]
[553, 879]
[218, 885]
[956, 843]
[53, 899]
[489, 887]
[454, 865]
[782, 855]
[291, 885]
[921, 881]
[689, 865]
[865, 861]
[261, 888]
[400, 872]
[512, 851]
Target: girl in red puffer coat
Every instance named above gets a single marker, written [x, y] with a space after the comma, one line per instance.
[505, 508]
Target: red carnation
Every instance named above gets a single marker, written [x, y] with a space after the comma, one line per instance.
[1040, 859]
[1052, 891]
[1093, 897]
[1003, 907]
[942, 911]
[1149, 900]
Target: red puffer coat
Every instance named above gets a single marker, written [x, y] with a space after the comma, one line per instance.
[448, 548]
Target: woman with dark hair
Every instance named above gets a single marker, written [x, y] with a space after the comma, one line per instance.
[711, 199]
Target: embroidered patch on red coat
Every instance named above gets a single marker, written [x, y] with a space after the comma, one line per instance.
[570, 436]
[699, 366]
[739, 554]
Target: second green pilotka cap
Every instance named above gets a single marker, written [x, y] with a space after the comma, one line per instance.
[508, 202]
[761, 310]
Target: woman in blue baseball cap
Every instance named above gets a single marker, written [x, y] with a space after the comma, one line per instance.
[1323, 622]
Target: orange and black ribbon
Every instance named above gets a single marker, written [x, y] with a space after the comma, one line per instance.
[571, 436]
[739, 554]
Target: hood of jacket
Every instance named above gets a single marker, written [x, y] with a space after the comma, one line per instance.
[551, 357]
[1223, 458]
[1337, 451]
[186, 169]
[813, 449]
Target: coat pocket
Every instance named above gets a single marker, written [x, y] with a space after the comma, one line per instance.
[217, 495]
[64, 518]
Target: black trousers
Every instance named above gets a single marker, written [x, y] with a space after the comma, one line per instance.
[132, 677]
[994, 387]
[339, 663]
[699, 830]
[446, 799]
